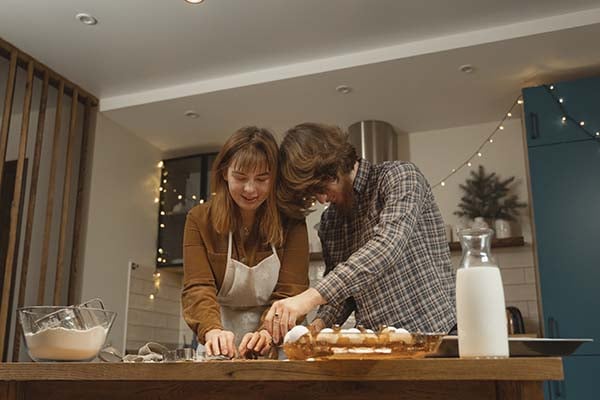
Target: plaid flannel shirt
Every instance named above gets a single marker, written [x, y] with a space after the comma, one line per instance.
[389, 261]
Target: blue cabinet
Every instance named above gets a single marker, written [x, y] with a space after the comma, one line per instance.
[565, 183]
[564, 165]
[543, 116]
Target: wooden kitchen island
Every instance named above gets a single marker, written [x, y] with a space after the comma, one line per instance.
[448, 378]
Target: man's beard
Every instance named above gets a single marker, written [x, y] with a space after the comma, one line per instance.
[345, 205]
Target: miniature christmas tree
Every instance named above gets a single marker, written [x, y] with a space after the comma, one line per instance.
[488, 196]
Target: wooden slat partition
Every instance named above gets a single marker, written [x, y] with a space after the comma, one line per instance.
[68, 243]
[7, 114]
[39, 139]
[74, 270]
[66, 197]
[15, 209]
[50, 198]
[4, 131]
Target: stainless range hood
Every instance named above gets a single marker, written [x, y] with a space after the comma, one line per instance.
[374, 140]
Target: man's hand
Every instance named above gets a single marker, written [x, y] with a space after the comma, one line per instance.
[258, 342]
[316, 326]
[283, 313]
[219, 342]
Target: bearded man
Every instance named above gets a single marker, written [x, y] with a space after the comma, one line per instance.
[383, 238]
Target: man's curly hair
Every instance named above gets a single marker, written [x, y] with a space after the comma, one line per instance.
[311, 155]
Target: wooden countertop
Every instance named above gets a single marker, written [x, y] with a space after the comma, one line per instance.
[440, 369]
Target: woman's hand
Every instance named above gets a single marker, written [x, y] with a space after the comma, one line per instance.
[255, 342]
[284, 313]
[219, 342]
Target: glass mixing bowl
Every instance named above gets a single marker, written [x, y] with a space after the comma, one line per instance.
[74, 333]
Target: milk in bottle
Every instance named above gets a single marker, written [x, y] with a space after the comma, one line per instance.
[481, 313]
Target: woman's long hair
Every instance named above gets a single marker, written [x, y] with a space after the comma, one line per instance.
[248, 149]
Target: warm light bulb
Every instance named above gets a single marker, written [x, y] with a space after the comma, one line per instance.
[180, 197]
[453, 169]
[159, 259]
[563, 119]
[598, 133]
[164, 181]
[509, 115]
[501, 127]
[560, 100]
[201, 201]
[162, 213]
[162, 225]
[443, 183]
[582, 123]
[469, 164]
[160, 251]
[479, 154]
[156, 199]
[194, 196]
[160, 164]
[160, 188]
[519, 101]
[151, 296]
[491, 140]
[551, 87]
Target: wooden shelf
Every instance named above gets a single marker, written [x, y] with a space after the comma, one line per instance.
[516, 241]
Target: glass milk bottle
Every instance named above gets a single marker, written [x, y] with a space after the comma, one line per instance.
[481, 313]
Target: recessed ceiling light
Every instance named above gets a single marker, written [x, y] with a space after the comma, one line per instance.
[191, 114]
[343, 89]
[86, 19]
[467, 68]
[194, 1]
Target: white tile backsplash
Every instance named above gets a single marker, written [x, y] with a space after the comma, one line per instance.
[159, 319]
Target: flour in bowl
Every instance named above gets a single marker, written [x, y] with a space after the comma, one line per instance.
[66, 344]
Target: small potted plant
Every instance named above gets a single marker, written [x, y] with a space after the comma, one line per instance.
[487, 197]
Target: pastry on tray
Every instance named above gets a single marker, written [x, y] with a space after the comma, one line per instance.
[358, 343]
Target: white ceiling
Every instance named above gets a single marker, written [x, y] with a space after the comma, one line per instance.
[276, 62]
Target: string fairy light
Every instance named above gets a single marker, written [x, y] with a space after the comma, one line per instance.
[156, 284]
[478, 153]
[566, 117]
[164, 192]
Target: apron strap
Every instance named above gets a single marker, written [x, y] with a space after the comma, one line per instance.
[229, 248]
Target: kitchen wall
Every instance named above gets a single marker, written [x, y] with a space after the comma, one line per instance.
[121, 217]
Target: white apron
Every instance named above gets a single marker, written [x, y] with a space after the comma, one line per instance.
[245, 292]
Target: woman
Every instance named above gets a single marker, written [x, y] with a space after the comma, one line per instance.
[239, 256]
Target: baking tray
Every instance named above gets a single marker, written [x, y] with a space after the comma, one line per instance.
[520, 347]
